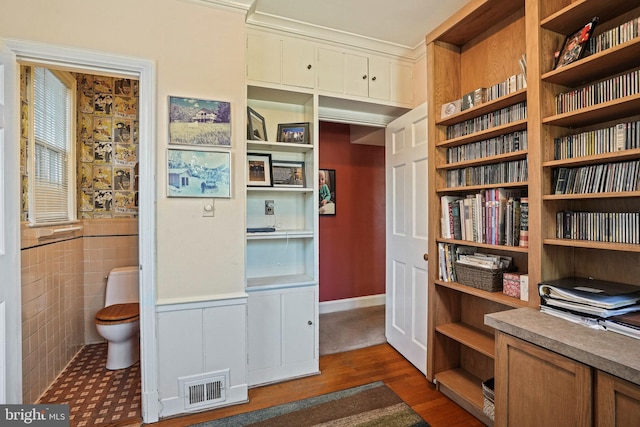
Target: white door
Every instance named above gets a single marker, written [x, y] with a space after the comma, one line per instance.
[10, 323]
[406, 267]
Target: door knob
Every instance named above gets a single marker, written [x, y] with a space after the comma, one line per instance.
[364, 77]
[309, 67]
[373, 78]
[309, 322]
[426, 257]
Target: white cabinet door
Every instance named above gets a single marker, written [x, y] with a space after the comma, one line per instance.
[379, 78]
[401, 83]
[356, 81]
[283, 334]
[298, 63]
[264, 58]
[330, 70]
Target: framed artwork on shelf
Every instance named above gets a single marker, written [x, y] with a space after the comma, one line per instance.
[259, 172]
[297, 133]
[574, 45]
[199, 122]
[288, 173]
[196, 173]
[256, 126]
[327, 191]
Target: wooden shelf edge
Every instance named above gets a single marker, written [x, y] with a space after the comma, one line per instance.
[469, 337]
[581, 196]
[515, 155]
[465, 389]
[578, 13]
[630, 154]
[470, 188]
[597, 113]
[484, 134]
[498, 297]
[487, 107]
[621, 247]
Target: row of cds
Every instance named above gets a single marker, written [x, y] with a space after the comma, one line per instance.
[623, 136]
[500, 117]
[600, 178]
[615, 36]
[502, 144]
[612, 227]
[603, 91]
[497, 173]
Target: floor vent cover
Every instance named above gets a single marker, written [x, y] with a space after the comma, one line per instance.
[204, 390]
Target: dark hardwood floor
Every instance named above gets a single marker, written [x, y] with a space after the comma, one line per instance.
[345, 370]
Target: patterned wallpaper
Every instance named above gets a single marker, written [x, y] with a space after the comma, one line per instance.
[107, 146]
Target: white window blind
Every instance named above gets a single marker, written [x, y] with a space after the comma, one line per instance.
[52, 195]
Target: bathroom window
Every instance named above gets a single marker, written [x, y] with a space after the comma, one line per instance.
[52, 171]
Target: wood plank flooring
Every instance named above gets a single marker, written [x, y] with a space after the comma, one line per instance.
[349, 369]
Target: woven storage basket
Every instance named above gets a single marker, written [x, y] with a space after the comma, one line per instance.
[488, 398]
[478, 277]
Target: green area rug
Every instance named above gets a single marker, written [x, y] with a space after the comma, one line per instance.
[372, 404]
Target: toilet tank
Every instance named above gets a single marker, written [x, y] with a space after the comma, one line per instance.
[122, 286]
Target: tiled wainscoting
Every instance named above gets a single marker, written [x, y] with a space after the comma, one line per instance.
[63, 282]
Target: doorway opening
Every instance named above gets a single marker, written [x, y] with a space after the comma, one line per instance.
[74, 60]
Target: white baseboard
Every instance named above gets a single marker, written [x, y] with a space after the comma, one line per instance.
[351, 303]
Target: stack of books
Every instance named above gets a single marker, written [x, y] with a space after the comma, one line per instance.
[595, 303]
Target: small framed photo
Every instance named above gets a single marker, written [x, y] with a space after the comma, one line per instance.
[199, 122]
[574, 45]
[259, 172]
[288, 173]
[195, 173]
[327, 191]
[297, 133]
[256, 127]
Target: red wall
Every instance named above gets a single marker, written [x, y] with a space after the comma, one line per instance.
[352, 243]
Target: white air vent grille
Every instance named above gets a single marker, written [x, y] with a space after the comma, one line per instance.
[203, 390]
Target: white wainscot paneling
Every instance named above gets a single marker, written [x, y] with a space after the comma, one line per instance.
[201, 338]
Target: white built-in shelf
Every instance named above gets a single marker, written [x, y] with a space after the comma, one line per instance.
[281, 234]
[278, 189]
[278, 146]
[277, 282]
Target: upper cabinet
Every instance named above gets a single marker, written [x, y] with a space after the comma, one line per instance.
[332, 70]
[273, 59]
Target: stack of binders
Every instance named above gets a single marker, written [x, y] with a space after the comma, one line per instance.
[591, 302]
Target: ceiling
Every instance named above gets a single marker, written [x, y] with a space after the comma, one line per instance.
[404, 23]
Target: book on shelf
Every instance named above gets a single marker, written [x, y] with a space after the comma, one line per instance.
[446, 205]
[524, 223]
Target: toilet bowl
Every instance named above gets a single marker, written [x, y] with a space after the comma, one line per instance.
[119, 321]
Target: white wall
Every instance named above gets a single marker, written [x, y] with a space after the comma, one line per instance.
[198, 52]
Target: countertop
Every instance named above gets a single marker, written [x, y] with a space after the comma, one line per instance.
[607, 351]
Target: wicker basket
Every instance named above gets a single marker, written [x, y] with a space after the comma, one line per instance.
[488, 398]
[478, 277]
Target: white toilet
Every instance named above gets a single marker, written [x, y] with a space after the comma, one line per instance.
[119, 321]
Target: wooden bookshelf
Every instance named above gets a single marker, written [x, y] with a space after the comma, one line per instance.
[462, 57]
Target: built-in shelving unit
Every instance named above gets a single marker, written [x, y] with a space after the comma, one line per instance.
[563, 257]
[462, 57]
[478, 47]
[282, 265]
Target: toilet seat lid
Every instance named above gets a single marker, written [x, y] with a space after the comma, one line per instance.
[119, 313]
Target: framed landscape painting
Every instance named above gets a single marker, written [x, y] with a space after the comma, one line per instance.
[199, 122]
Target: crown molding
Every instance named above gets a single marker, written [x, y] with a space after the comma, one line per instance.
[320, 33]
[241, 7]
